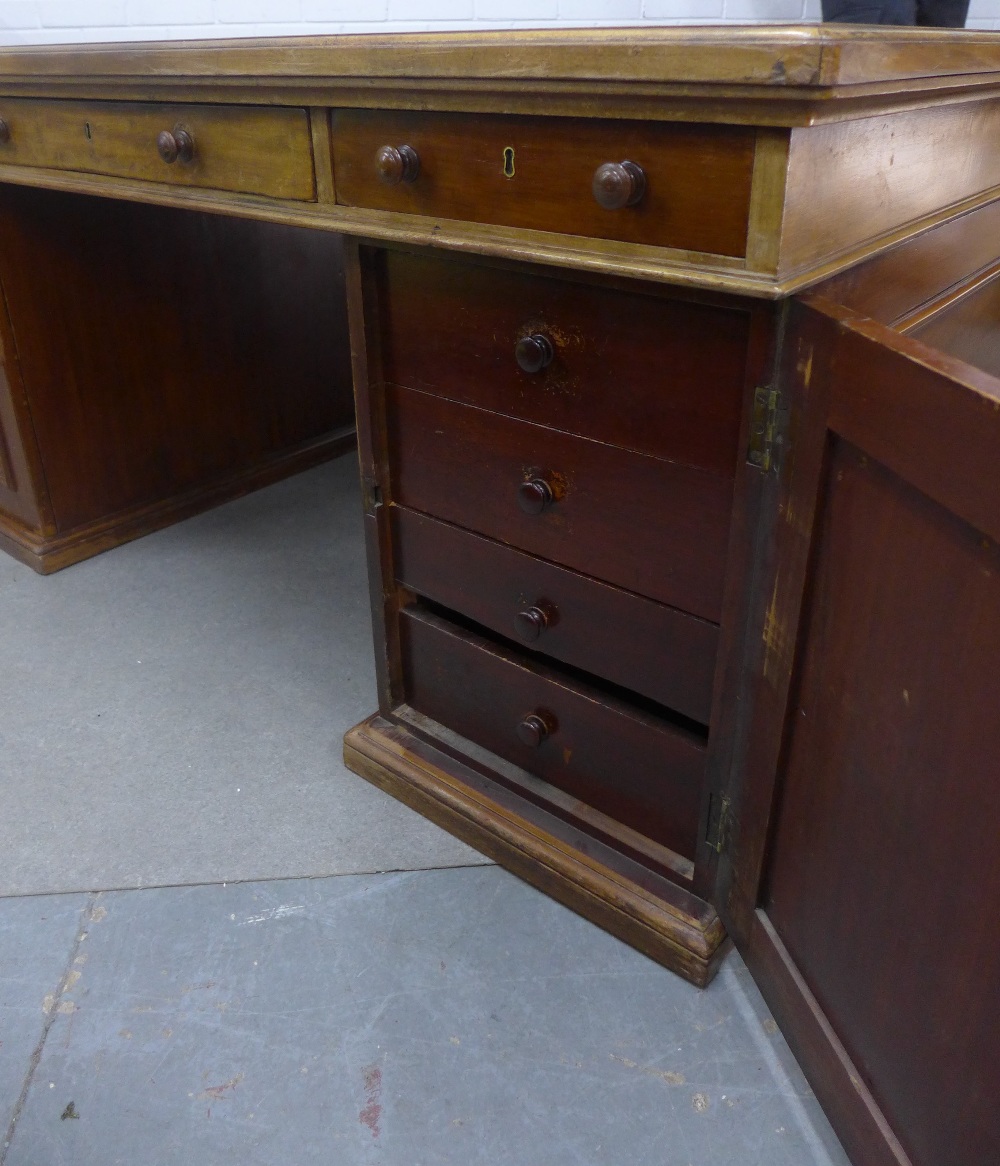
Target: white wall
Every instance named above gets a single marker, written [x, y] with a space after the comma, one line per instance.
[47, 21]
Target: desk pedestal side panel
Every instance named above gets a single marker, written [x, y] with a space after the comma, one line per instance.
[167, 360]
[549, 577]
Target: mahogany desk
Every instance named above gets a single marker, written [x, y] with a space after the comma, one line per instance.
[677, 374]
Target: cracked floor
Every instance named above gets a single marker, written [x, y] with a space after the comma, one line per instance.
[218, 946]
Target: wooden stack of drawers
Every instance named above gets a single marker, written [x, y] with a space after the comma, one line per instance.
[551, 463]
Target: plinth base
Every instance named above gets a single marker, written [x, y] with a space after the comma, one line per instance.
[663, 920]
[47, 553]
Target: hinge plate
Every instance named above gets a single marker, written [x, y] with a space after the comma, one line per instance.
[765, 429]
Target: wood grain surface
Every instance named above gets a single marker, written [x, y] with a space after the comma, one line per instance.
[651, 526]
[820, 57]
[966, 327]
[850, 183]
[632, 366]
[697, 177]
[866, 786]
[893, 741]
[161, 351]
[656, 651]
[257, 151]
[640, 771]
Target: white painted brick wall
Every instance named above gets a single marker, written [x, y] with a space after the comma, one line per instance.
[49, 21]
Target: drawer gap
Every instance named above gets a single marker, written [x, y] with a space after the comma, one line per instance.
[606, 688]
[584, 828]
[603, 752]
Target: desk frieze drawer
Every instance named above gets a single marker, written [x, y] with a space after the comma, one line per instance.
[636, 769]
[248, 149]
[651, 526]
[656, 651]
[667, 185]
[637, 369]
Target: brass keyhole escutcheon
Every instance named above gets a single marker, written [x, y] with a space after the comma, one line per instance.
[508, 162]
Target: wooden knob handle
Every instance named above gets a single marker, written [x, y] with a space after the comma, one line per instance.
[534, 352]
[535, 727]
[534, 495]
[4, 131]
[175, 145]
[530, 623]
[396, 164]
[619, 184]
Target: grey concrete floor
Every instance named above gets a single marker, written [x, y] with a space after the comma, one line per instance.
[218, 946]
[173, 711]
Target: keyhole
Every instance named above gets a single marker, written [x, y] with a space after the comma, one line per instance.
[86, 130]
[508, 162]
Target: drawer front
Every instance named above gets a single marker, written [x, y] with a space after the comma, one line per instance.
[651, 526]
[656, 651]
[658, 375]
[637, 770]
[537, 173]
[241, 148]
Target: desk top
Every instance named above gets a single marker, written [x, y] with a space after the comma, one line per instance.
[776, 155]
[815, 56]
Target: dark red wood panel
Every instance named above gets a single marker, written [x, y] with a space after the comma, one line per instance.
[647, 525]
[654, 650]
[885, 868]
[161, 349]
[697, 189]
[18, 490]
[932, 418]
[639, 770]
[659, 375]
[862, 862]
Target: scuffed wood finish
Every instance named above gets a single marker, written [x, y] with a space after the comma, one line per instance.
[652, 914]
[256, 151]
[867, 783]
[914, 280]
[697, 189]
[836, 794]
[366, 363]
[799, 56]
[23, 498]
[854, 184]
[894, 740]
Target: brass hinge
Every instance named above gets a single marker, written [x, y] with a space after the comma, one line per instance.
[766, 428]
[717, 834]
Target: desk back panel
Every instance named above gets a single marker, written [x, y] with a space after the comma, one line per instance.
[163, 351]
